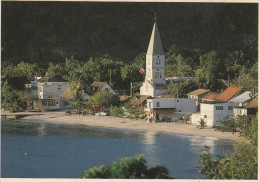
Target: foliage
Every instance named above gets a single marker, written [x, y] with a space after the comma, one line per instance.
[227, 126]
[116, 111]
[128, 168]
[243, 163]
[78, 101]
[202, 124]
[104, 99]
[9, 97]
[180, 89]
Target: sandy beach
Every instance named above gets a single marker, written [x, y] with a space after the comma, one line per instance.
[126, 123]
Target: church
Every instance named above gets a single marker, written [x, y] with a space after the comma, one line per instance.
[154, 83]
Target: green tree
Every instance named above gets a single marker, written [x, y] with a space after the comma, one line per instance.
[180, 89]
[128, 168]
[104, 99]
[243, 163]
[9, 97]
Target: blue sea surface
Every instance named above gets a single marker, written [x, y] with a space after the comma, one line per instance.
[50, 150]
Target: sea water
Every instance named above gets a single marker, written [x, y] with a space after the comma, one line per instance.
[50, 150]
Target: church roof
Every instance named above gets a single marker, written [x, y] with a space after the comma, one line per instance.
[155, 46]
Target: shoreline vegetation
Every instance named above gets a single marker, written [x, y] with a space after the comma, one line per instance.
[126, 123]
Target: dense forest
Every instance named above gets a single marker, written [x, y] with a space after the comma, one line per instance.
[84, 42]
[43, 32]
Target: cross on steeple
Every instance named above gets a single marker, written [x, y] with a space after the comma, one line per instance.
[155, 17]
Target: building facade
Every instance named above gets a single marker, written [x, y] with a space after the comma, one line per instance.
[170, 109]
[211, 113]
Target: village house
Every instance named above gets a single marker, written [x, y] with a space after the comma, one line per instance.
[198, 95]
[212, 112]
[170, 109]
[101, 86]
[155, 83]
[230, 93]
[249, 109]
[46, 91]
[242, 99]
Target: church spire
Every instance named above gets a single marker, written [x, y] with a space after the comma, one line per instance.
[155, 46]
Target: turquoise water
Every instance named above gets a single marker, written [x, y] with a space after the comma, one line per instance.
[49, 150]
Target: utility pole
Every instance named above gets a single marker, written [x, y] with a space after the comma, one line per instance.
[131, 89]
[110, 83]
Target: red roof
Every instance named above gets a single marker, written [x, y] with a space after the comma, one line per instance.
[253, 104]
[229, 93]
[211, 96]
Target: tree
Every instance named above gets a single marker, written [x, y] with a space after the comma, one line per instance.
[104, 99]
[128, 168]
[9, 97]
[243, 163]
[180, 89]
[78, 101]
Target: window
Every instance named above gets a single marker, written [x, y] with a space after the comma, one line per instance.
[230, 107]
[177, 100]
[205, 116]
[160, 74]
[59, 87]
[219, 107]
[179, 110]
[157, 104]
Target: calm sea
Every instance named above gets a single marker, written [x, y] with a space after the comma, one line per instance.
[49, 150]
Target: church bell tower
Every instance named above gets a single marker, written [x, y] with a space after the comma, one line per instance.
[154, 83]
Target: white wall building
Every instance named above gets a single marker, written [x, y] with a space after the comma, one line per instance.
[170, 109]
[48, 90]
[155, 83]
[213, 112]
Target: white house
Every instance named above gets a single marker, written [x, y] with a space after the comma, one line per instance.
[249, 109]
[169, 109]
[101, 86]
[50, 87]
[155, 83]
[213, 112]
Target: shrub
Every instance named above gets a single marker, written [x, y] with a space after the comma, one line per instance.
[227, 126]
[128, 168]
[202, 124]
[116, 111]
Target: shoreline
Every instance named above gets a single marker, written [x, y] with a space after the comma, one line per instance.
[126, 123]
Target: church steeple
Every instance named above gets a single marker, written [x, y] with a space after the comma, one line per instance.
[155, 45]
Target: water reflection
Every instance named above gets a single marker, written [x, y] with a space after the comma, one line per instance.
[149, 147]
[65, 151]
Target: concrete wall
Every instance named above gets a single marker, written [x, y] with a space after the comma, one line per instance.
[183, 106]
[211, 114]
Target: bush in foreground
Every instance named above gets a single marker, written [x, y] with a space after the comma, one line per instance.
[128, 168]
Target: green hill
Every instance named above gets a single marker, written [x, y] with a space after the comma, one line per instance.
[46, 32]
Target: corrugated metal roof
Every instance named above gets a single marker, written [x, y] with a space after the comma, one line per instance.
[155, 45]
[229, 93]
[198, 92]
[242, 97]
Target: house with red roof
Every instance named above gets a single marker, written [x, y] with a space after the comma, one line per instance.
[230, 93]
